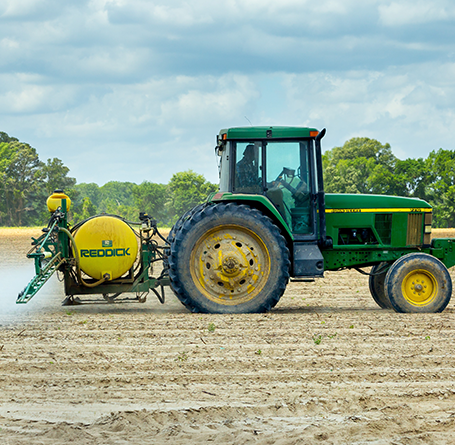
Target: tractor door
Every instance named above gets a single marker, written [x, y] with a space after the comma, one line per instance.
[291, 184]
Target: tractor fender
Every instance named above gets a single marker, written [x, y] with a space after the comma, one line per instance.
[261, 203]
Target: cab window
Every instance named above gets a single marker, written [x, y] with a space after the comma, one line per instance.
[248, 167]
[288, 183]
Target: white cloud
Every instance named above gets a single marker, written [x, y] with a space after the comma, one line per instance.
[25, 94]
[412, 12]
[409, 108]
[133, 126]
[31, 10]
[10, 44]
[212, 100]
[132, 84]
[17, 8]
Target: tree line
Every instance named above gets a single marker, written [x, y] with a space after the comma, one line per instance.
[164, 202]
[26, 182]
[361, 165]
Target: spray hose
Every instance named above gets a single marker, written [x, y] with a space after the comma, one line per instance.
[76, 256]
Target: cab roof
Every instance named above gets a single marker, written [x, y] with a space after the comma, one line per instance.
[268, 133]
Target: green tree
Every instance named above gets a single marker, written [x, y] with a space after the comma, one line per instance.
[361, 165]
[26, 182]
[120, 192]
[5, 159]
[188, 189]
[55, 176]
[91, 190]
[88, 209]
[22, 177]
[117, 198]
[441, 186]
[152, 199]
[362, 147]
[114, 197]
[5, 138]
[411, 178]
[77, 194]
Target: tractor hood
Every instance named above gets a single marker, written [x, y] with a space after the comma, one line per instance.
[346, 203]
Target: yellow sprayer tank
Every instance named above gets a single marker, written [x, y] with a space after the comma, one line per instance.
[107, 245]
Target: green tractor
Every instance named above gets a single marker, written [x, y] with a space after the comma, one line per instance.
[270, 221]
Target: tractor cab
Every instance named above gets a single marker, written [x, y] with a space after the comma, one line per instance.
[282, 164]
[279, 163]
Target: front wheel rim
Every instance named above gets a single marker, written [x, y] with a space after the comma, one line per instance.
[230, 264]
[419, 287]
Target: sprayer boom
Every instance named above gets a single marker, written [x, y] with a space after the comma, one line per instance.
[40, 279]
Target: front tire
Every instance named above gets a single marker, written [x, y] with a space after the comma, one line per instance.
[418, 282]
[229, 258]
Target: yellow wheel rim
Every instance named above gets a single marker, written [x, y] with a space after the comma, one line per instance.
[230, 265]
[420, 287]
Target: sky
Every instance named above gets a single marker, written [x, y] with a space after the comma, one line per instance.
[137, 90]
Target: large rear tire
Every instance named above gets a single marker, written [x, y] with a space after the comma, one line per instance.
[376, 283]
[418, 282]
[228, 258]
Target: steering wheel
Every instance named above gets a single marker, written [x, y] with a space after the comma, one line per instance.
[297, 194]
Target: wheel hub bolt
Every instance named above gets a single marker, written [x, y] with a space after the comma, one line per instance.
[418, 287]
[230, 265]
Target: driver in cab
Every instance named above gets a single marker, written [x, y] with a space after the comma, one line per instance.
[247, 177]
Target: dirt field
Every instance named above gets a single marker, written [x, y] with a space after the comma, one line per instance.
[325, 366]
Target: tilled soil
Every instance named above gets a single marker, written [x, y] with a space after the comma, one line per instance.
[325, 366]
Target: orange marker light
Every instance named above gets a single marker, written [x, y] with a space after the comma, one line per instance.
[313, 134]
[224, 136]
